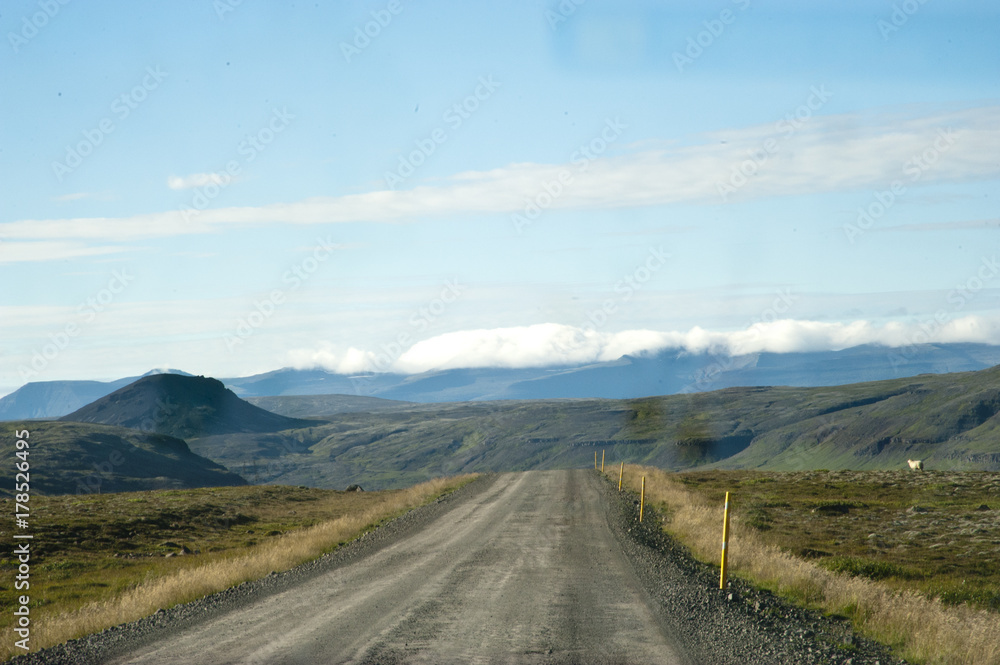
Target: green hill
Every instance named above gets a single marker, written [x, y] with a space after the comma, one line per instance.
[82, 458]
[315, 406]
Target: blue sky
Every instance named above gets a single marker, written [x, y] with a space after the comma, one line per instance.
[232, 188]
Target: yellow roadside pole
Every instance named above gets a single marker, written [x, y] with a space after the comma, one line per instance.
[725, 538]
[595, 459]
[602, 461]
[621, 473]
[642, 497]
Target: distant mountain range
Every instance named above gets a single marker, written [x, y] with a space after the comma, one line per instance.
[952, 421]
[665, 373]
[52, 399]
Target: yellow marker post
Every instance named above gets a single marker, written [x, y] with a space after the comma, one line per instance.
[642, 497]
[602, 461]
[725, 538]
[595, 459]
[621, 474]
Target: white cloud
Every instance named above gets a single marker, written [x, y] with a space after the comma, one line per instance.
[81, 196]
[526, 346]
[828, 153]
[153, 225]
[974, 225]
[131, 337]
[551, 344]
[198, 180]
[352, 361]
[17, 252]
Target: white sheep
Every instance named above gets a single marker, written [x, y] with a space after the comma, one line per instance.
[916, 464]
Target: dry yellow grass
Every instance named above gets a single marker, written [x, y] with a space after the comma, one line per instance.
[279, 554]
[922, 630]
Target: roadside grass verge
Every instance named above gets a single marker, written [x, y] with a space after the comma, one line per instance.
[110, 559]
[869, 590]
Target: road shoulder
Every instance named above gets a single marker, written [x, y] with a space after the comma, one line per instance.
[742, 625]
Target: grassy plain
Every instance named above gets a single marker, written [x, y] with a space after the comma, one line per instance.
[909, 557]
[936, 532]
[101, 560]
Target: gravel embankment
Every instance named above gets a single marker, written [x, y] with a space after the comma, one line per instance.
[742, 625]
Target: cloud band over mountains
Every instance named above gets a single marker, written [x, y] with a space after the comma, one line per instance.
[551, 344]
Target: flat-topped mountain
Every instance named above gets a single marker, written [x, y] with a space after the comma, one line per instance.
[52, 399]
[182, 406]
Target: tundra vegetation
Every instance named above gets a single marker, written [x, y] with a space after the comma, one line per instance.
[102, 560]
[908, 557]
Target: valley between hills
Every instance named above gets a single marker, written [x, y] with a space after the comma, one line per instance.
[950, 421]
[182, 431]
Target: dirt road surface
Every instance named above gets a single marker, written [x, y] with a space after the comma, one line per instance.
[540, 567]
[527, 571]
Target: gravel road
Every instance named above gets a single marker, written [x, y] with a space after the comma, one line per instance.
[537, 567]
